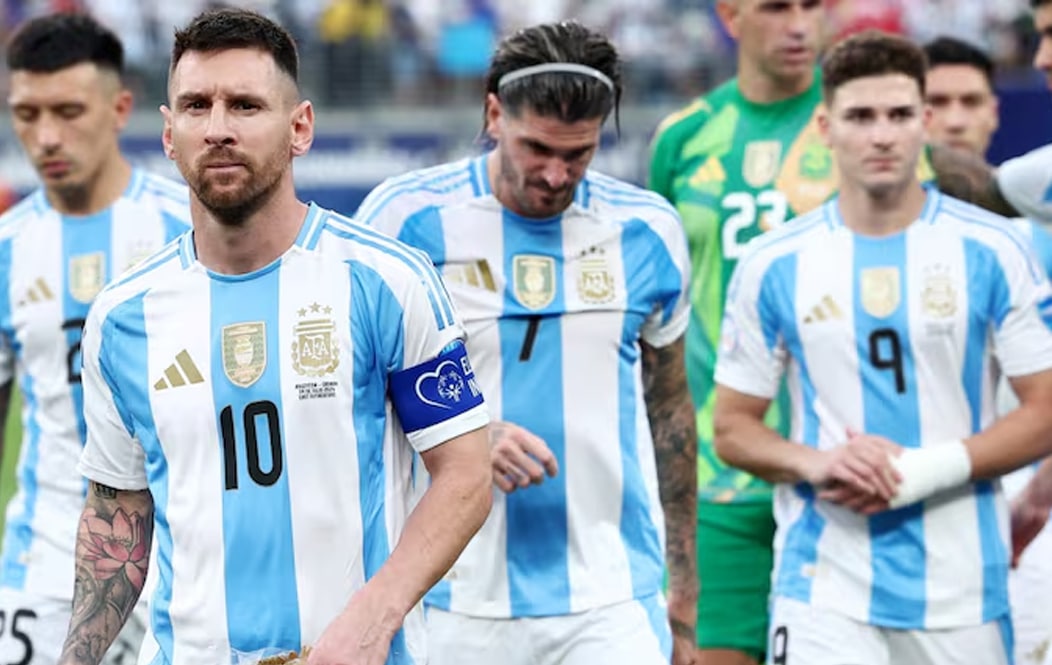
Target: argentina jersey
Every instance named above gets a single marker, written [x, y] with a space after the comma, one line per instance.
[904, 337]
[273, 416]
[51, 268]
[555, 311]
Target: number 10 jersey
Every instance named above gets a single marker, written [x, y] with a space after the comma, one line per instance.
[263, 412]
[904, 337]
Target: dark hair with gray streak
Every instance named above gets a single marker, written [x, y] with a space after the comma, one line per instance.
[567, 96]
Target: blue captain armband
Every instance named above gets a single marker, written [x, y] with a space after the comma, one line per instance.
[435, 391]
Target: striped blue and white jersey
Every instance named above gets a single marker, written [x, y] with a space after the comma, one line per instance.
[51, 268]
[273, 417]
[555, 311]
[903, 337]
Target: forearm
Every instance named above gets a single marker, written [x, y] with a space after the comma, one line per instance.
[112, 554]
[966, 176]
[452, 509]
[676, 452]
[744, 442]
[1020, 437]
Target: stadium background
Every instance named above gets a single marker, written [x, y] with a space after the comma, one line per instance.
[398, 83]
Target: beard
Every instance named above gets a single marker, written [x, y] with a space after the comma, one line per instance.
[233, 199]
[519, 187]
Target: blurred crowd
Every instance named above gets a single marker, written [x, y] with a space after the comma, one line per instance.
[376, 52]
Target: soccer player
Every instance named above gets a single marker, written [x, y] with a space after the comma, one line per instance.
[1021, 186]
[745, 158]
[93, 217]
[890, 312]
[254, 394]
[574, 289]
[960, 93]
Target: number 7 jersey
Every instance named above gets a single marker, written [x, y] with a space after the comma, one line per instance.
[904, 337]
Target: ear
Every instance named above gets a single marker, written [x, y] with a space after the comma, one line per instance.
[302, 127]
[728, 12]
[926, 115]
[823, 121]
[166, 133]
[996, 111]
[123, 106]
[494, 113]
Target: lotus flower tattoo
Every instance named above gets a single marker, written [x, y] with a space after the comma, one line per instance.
[117, 547]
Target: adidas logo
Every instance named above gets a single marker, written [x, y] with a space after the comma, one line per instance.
[710, 172]
[180, 373]
[823, 311]
[38, 292]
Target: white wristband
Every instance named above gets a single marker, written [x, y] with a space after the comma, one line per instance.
[929, 470]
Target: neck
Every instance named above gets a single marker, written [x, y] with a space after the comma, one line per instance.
[761, 88]
[96, 195]
[255, 241]
[881, 214]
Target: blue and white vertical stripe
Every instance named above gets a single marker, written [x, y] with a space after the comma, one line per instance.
[904, 350]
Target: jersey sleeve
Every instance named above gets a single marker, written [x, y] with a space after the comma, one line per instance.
[752, 353]
[1026, 183]
[1021, 303]
[112, 455]
[672, 266]
[1042, 243]
[433, 388]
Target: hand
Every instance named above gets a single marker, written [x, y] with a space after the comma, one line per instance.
[1028, 519]
[858, 474]
[518, 457]
[360, 635]
[682, 617]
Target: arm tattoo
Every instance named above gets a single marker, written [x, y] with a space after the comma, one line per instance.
[966, 176]
[113, 549]
[671, 416]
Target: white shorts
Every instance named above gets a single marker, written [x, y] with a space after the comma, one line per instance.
[804, 635]
[631, 633]
[33, 629]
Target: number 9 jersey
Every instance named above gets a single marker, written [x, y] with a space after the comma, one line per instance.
[904, 337]
[274, 418]
[735, 169]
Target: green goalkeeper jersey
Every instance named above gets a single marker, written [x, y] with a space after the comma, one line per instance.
[734, 169]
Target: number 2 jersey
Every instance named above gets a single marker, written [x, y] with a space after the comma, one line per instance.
[905, 337]
[51, 268]
[734, 169]
[273, 416]
[555, 311]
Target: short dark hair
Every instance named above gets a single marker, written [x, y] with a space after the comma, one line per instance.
[223, 29]
[1039, 3]
[57, 41]
[871, 53]
[567, 96]
[953, 51]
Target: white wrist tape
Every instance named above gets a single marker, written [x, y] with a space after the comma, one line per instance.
[929, 470]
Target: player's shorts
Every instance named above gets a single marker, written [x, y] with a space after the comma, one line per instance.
[735, 557]
[33, 629]
[630, 633]
[805, 635]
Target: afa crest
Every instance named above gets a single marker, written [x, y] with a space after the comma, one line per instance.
[87, 276]
[595, 283]
[244, 352]
[880, 291]
[939, 296]
[533, 280]
[315, 346]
